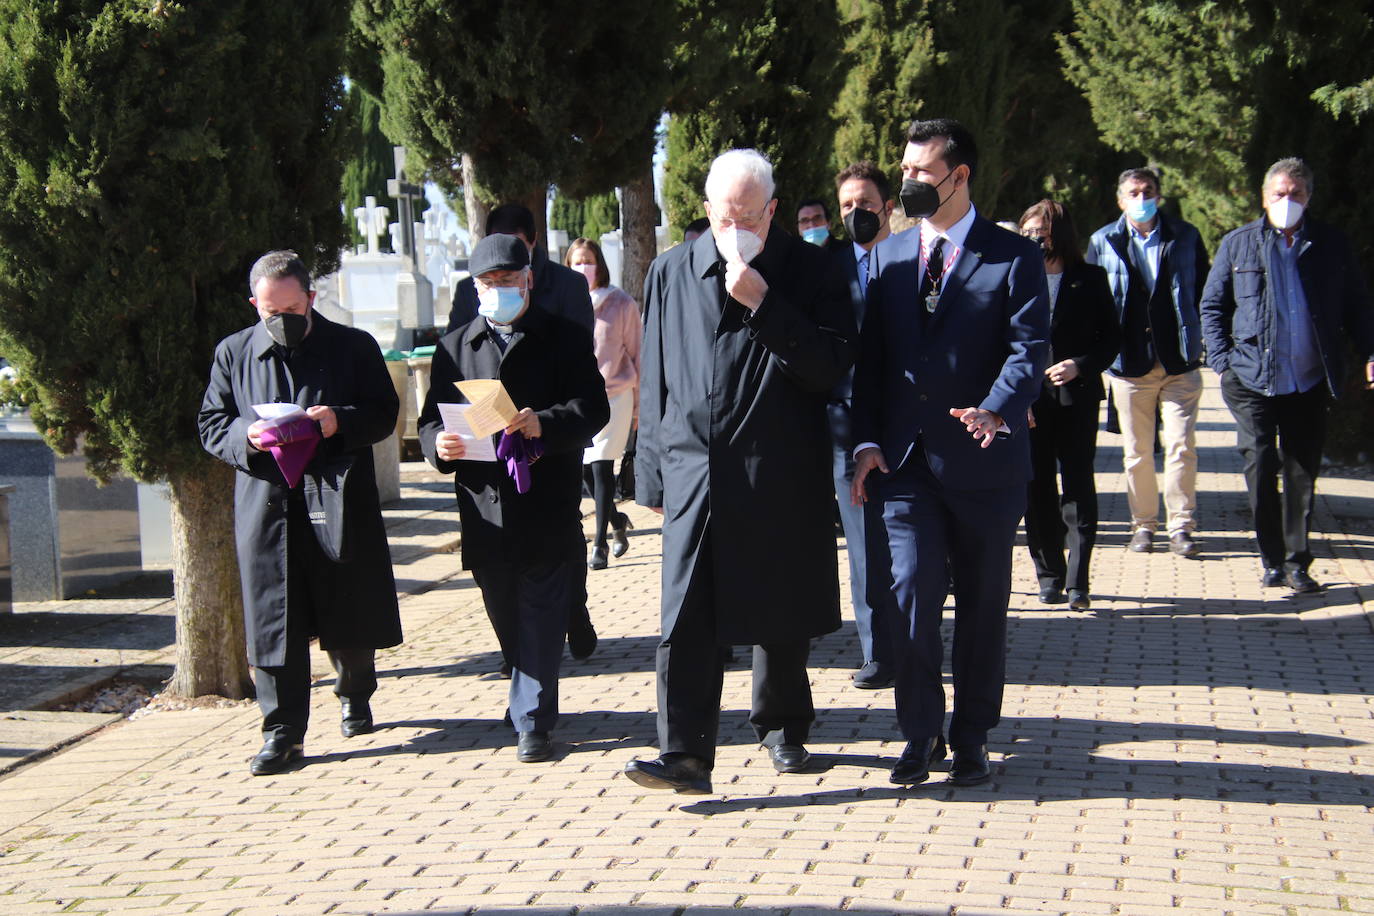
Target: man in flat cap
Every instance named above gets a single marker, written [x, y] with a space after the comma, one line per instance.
[522, 525]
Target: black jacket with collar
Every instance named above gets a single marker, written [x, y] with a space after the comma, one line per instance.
[1085, 329]
[549, 366]
[1238, 304]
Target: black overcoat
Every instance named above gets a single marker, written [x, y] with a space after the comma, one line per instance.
[342, 368]
[550, 367]
[733, 431]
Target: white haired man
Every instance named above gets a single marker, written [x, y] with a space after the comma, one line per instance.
[746, 332]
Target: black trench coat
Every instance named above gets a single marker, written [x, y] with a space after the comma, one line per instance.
[733, 430]
[550, 367]
[342, 368]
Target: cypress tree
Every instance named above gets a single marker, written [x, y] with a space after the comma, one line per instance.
[370, 160]
[1172, 82]
[149, 152]
[533, 95]
[781, 74]
[890, 55]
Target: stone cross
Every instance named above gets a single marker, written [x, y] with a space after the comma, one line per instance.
[371, 222]
[405, 193]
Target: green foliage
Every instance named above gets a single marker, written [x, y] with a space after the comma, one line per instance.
[536, 93]
[890, 60]
[1174, 82]
[591, 217]
[991, 65]
[370, 161]
[149, 152]
[783, 68]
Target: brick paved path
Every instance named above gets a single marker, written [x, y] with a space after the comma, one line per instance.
[1192, 744]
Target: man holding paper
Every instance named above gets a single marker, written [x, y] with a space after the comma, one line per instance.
[514, 396]
[294, 404]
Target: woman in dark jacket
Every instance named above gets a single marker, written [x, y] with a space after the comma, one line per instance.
[1085, 337]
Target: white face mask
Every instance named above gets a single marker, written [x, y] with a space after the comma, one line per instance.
[736, 244]
[1284, 213]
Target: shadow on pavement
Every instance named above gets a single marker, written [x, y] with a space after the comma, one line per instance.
[1051, 759]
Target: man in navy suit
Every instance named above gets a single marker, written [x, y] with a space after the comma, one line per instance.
[865, 198]
[952, 350]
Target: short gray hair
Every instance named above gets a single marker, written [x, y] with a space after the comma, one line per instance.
[741, 163]
[276, 265]
[1295, 169]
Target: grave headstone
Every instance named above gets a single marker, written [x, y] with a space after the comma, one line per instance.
[75, 534]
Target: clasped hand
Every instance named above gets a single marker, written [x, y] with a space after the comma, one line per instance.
[324, 416]
[745, 285]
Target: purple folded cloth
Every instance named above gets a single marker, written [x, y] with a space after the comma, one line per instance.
[519, 454]
[292, 444]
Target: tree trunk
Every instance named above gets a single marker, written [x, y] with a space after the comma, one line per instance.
[476, 208]
[538, 204]
[638, 223]
[211, 655]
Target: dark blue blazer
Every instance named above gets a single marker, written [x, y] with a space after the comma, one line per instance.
[986, 345]
[845, 389]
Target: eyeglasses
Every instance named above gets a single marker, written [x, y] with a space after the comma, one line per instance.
[749, 221]
[1035, 232]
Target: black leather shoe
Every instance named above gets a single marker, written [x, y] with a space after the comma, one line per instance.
[357, 718]
[596, 557]
[581, 639]
[913, 767]
[1299, 581]
[1142, 541]
[533, 747]
[620, 539]
[874, 676]
[1273, 577]
[1052, 595]
[789, 758]
[1182, 544]
[1079, 600]
[683, 773]
[277, 754]
[970, 766]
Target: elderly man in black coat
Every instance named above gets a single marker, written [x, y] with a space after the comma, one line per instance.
[313, 555]
[559, 291]
[524, 544]
[747, 331]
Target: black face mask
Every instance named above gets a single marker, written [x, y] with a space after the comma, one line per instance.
[920, 199]
[862, 225]
[286, 329]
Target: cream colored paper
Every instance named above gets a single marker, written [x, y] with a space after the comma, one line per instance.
[492, 409]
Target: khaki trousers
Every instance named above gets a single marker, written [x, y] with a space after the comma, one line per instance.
[1176, 397]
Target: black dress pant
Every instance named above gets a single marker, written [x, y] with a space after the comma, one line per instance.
[528, 605]
[917, 525]
[1061, 500]
[691, 671]
[284, 690]
[1280, 436]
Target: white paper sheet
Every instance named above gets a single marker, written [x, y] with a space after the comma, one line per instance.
[278, 411]
[479, 448]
